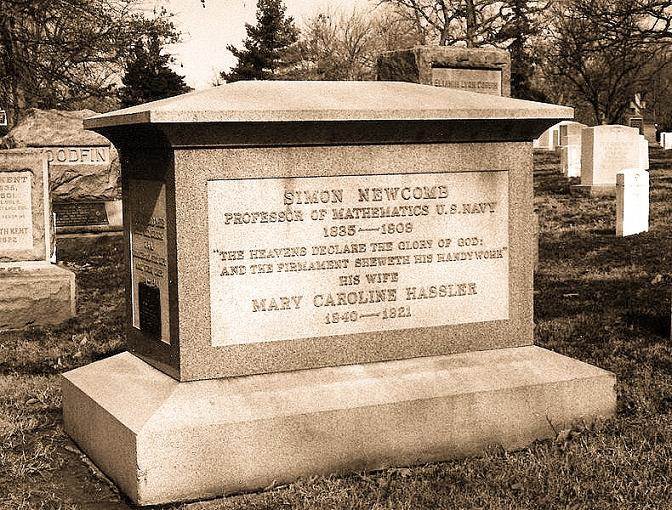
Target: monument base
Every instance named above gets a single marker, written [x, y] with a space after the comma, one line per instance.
[592, 190]
[163, 441]
[35, 293]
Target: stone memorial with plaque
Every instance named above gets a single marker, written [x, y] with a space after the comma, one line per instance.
[483, 70]
[32, 290]
[606, 151]
[339, 281]
[83, 169]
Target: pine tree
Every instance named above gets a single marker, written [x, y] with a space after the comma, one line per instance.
[148, 75]
[66, 54]
[265, 53]
[522, 24]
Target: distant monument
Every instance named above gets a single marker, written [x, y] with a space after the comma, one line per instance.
[32, 290]
[641, 117]
[483, 70]
[83, 169]
[345, 283]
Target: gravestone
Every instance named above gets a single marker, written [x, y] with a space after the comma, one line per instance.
[637, 122]
[32, 290]
[83, 168]
[570, 133]
[544, 141]
[641, 117]
[632, 202]
[483, 70]
[643, 153]
[345, 279]
[551, 139]
[570, 156]
[666, 141]
[606, 151]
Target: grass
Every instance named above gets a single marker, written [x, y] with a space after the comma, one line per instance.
[599, 299]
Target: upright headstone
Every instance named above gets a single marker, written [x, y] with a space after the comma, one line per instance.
[32, 290]
[606, 151]
[544, 142]
[484, 70]
[551, 139]
[666, 141]
[362, 252]
[83, 168]
[643, 153]
[642, 118]
[632, 202]
[570, 132]
[570, 156]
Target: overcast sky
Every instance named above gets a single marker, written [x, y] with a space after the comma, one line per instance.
[207, 31]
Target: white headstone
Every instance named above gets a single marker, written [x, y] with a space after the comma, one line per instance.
[544, 142]
[632, 202]
[643, 153]
[568, 130]
[555, 130]
[666, 141]
[606, 151]
[555, 137]
[570, 156]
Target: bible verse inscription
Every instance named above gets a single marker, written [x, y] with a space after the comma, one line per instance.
[298, 258]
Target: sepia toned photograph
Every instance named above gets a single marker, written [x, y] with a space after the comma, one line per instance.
[335, 254]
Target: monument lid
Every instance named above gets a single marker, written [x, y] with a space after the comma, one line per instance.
[324, 101]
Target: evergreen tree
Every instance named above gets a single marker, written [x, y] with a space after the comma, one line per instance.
[148, 75]
[522, 23]
[67, 54]
[266, 50]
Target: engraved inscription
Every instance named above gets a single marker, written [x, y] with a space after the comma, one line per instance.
[76, 214]
[16, 218]
[485, 81]
[78, 155]
[307, 257]
[614, 156]
[149, 263]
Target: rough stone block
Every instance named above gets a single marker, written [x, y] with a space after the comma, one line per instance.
[483, 70]
[35, 293]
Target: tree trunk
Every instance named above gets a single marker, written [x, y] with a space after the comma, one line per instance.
[12, 72]
[470, 18]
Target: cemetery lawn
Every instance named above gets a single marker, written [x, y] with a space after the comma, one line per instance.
[602, 300]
